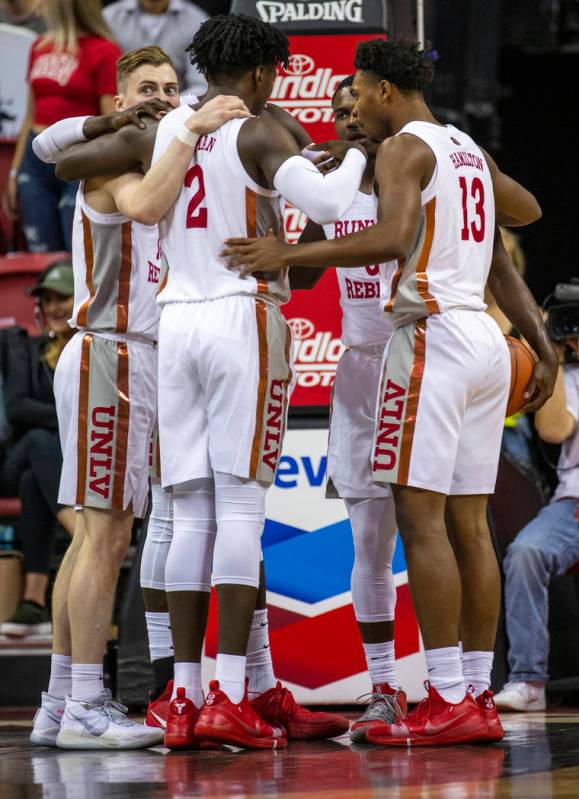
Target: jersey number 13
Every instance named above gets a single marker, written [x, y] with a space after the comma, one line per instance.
[476, 226]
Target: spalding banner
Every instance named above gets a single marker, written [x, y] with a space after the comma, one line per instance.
[360, 16]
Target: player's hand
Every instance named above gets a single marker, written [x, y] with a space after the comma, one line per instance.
[323, 161]
[542, 384]
[337, 149]
[110, 123]
[10, 198]
[154, 108]
[216, 112]
[247, 256]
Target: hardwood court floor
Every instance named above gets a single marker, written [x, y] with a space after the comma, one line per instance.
[538, 759]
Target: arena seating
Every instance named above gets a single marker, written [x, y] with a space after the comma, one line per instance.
[18, 272]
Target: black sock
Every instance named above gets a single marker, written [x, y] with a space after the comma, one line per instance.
[162, 673]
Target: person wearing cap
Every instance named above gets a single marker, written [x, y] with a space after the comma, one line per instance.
[32, 466]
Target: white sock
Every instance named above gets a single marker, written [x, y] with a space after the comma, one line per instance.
[259, 665]
[159, 632]
[60, 683]
[87, 680]
[445, 673]
[476, 666]
[230, 672]
[381, 663]
[188, 676]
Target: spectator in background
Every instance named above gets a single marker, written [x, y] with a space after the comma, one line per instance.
[547, 546]
[72, 72]
[170, 24]
[33, 464]
[24, 13]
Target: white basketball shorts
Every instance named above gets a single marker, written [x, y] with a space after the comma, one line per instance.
[106, 396]
[441, 405]
[224, 380]
[351, 436]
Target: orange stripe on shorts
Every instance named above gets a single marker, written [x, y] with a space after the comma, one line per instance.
[124, 405]
[412, 402]
[82, 430]
[261, 318]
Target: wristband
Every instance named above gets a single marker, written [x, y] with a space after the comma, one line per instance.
[13, 173]
[187, 136]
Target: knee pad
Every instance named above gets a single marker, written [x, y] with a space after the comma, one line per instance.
[240, 513]
[373, 523]
[159, 535]
[188, 566]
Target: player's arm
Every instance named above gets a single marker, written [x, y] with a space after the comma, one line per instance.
[49, 145]
[271, 155]
[401, 166]
[302, 277]
[518, 304]
[147, 199]
[130, 148]
[515, 206]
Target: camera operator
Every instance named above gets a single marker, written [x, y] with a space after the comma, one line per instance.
[549, 544]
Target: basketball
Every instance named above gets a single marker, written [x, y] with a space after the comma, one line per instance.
[522, 365]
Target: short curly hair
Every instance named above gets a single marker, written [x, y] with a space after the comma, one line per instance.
[399, 61]
[233, 44]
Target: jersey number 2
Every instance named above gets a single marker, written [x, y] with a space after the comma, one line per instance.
[196, 216]
[477, 192]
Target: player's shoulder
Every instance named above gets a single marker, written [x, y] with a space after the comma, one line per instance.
[261, 131]
[405, 149]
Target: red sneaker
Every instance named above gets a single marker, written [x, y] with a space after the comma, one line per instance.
[278, 707]
[224, 722]
[180, 730]
[488, 711]
[387, 706]
[433, 723]
[158, 709]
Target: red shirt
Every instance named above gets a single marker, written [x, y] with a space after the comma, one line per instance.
[70, 85]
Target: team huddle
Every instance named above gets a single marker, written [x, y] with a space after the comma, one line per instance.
[180, 372]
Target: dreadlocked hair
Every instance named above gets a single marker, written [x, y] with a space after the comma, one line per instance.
[233, 44]
[343, 84]
[399, 61]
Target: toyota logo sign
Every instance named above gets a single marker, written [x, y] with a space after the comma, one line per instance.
[300, 64]
[301, 328]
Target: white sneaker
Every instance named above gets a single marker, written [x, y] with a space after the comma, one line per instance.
[521, 696]
[47, 721]
[101, 723]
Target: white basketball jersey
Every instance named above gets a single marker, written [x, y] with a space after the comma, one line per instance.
[448, 265]
[363, 322]
[118, 271]
[219, 200]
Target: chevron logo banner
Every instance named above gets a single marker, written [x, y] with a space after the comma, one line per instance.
[308, 554]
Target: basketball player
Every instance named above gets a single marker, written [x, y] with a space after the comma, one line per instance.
[365, 331]
[224, 346]
[445, 381]
[105, 391]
